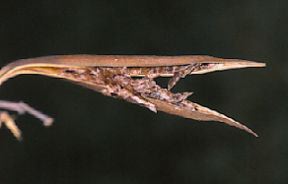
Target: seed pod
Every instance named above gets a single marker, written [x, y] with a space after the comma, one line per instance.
[132, 78]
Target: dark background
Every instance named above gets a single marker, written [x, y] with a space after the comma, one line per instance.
[96, 139]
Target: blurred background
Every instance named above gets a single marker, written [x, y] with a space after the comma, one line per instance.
[97, 139]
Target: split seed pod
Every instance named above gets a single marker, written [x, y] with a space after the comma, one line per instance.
[132, 78]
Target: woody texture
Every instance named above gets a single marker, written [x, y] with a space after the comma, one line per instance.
[131, 78]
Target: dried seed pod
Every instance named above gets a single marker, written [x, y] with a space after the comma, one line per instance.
[132, 78]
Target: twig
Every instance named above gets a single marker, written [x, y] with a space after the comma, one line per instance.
[20, 108]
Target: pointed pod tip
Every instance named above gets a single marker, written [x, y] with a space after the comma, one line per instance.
[252, 132]
[239, 125]
[261, 64]
[254, 64]
[238, 64]
[233, 64]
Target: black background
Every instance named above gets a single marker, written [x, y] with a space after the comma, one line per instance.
[96, 139]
